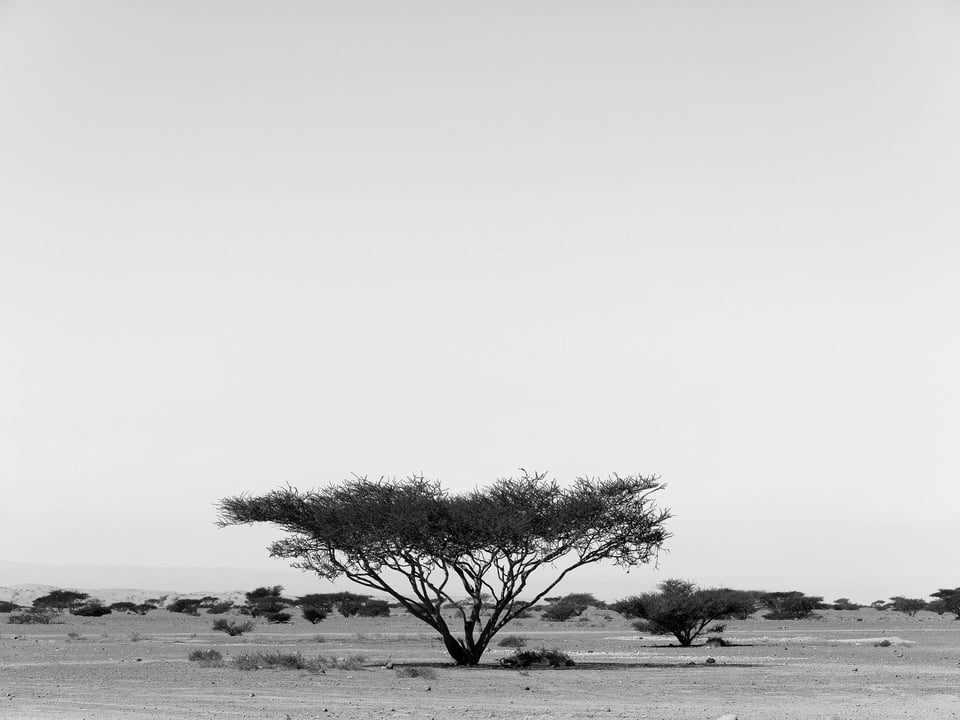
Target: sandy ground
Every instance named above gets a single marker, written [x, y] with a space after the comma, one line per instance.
[122, 666]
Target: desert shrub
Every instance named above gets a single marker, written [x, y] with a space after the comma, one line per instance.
[206, 658]
[542, 656]
[59, 600]
[219, 608]
[683, 610]
[342, 662]
[232, 628]
[374, 608]
[75, 636]
[314, 614]
[569, 606]
[208, 601]
[514, 641]
[296, 661]
[185, 606]
[90, 609]
[6, 607]
[717, 642]
[790, 605]
[270, 661]
[883, 643]
[144, 608]
[562, 611]
[32, 616]
[414, 671]
[278, 617]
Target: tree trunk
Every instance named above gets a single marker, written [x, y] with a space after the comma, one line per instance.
[460, 654]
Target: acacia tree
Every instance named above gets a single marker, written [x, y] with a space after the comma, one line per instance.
[684, 610]
[908, 606]
[947, 601]
[424, 546]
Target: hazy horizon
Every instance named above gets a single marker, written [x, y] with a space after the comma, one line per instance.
[244, 245]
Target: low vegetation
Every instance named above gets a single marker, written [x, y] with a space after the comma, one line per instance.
[514, 641]
[543, 656]
[93, 608]
[233, 627]
[296, 661]
[33, 616]
[206, 658]
[415, 671]
[185, 606]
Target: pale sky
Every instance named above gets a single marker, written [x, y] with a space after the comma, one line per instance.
[245, 244]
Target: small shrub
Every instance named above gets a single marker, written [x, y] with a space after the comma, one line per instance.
[717, 642]
[278, 617]
[90, 609]
[31, 617]
[349, 662]
[417, 672]
[219, 608]
[277, 661]
[232, 628]
[75, 636]
[314, 614]
[374, 608]
[883, 643]
[206, 658]
[514, 641]
[543, 656]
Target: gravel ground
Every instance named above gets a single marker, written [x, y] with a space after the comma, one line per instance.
[123, 666]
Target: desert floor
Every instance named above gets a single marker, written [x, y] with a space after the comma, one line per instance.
[122, 666]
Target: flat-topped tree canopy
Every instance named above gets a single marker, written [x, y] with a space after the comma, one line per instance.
[425, 546]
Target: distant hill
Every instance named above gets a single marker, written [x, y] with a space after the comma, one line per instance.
[127, 580]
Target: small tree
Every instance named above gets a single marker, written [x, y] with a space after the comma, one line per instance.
[268, 602]
[59, 600]
[845, 604]
[908, 606]
[562, 609]
[790, 605]
[91, 608]
[415, 542]
[185, 606]
[682, 609]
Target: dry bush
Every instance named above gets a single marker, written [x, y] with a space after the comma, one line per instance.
[414, 671]
[233, 628]
[543, 656]
[32, 617]
[206, 658]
